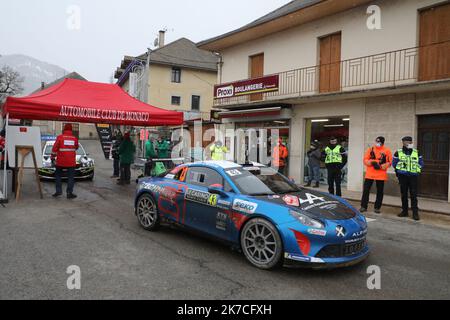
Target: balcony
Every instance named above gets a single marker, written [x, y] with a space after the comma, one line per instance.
[385, 70]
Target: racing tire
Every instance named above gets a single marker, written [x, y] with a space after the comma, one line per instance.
[147, 213]
[261, 244]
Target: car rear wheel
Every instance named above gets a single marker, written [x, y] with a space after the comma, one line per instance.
[147, 213]
[261, 244]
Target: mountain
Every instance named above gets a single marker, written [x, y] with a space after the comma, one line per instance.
[34, 71]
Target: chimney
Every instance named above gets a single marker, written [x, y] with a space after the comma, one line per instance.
[162, 38]
[42, 85]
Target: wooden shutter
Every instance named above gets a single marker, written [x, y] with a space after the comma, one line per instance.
[257, 71]
[330, 63]
[434, 53]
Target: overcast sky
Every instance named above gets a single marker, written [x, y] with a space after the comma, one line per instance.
[108, 29]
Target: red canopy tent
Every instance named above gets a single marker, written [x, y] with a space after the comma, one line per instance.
[89, 102]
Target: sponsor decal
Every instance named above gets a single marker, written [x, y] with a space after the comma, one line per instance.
[321, 204]
[291, 201]
[164, 192]
[340, 231]
[234, 173]
[274, 197]
[246, 87]
[330, 206]
[201, 197]
[221, 221]
[223, 204]
[244, 206]
[360, 233]
[297, 257]
[317, 232]
[311, 199]
[69, 142]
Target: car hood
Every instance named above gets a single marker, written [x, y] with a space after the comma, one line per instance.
[318, 205]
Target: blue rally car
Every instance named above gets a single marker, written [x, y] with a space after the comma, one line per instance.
[273, 221]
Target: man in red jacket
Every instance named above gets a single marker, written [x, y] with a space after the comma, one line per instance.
[65, 152]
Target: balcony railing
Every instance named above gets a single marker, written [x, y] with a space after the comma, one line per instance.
[382, 70]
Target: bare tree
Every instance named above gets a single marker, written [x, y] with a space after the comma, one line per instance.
[10, 82]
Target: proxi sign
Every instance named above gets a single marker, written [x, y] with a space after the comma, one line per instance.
[246, 87]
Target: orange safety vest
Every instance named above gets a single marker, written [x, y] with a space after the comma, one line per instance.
[372, 173]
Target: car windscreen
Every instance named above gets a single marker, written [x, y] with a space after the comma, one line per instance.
[49, 147]
[261, 181]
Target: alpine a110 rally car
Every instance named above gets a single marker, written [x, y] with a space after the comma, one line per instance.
[84, 170]
[257, 210]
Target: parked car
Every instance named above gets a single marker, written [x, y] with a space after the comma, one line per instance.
[257, 210]
[84, 170]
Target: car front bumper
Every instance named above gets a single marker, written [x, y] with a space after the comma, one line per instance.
[296, 260]
[80, 173]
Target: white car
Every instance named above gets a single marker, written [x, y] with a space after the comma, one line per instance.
[84, 170]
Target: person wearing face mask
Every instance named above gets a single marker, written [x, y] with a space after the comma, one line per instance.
[314, 155]
[335, 157]
[378, 160]
[408, 164]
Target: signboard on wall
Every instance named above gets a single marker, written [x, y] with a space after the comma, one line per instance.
[105, 135]
[247, 87]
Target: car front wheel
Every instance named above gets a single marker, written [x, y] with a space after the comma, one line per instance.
[147, 213]
[261, 244]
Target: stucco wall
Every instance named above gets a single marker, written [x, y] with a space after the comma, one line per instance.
[298, 47]
[193, 82]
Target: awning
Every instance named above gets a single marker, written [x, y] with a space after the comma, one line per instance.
[89, 102]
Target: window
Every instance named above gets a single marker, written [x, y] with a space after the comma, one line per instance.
[204, 177]
[176, 100]
[176, 75]
[195, 103]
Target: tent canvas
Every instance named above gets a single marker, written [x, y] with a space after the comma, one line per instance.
[89, 102]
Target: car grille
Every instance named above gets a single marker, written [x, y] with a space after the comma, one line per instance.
[342, 250]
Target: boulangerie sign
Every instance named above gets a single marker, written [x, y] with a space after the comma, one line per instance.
[247, 87]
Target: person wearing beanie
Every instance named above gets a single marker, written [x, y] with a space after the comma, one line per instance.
[64, 152]
[314, 156]
[377, 159]
[408, 164]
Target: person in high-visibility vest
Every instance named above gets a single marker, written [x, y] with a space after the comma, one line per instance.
[65, 152]
[335, 157]
[408, 164]
[279, 157]
[218, 151]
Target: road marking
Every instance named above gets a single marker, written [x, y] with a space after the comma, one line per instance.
[371, 220]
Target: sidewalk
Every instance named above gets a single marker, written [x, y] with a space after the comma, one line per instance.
[426, 205]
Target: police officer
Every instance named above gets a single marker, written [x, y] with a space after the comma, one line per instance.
[335, 157]
[408, 164]
[65, 152]
[218, 151]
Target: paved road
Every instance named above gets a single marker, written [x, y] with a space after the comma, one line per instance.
[99, 233]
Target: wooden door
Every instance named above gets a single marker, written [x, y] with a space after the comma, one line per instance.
[330, 63]
[257, 71]
[434, 52]
[434, 145]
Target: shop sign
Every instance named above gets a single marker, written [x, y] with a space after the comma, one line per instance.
[246, 87]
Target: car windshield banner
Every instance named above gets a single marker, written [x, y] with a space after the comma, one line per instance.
[246, 87]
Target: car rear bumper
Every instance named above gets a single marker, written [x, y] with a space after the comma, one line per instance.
[295, 260]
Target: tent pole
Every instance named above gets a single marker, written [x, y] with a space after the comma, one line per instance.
[5, 186]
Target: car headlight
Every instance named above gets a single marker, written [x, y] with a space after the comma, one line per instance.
[306, 221]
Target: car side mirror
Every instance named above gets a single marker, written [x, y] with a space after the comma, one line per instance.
[218, 191]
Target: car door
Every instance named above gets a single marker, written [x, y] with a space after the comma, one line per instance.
[207, 211]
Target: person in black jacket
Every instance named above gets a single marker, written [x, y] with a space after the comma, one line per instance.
[117, 140]
[335, 158]
[314, 157]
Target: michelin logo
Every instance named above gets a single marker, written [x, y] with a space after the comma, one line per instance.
[244, 206]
